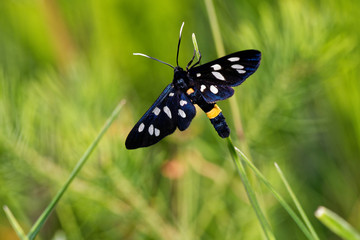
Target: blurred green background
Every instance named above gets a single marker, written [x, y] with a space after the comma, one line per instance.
[64, 65]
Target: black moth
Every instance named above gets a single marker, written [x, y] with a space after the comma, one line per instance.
[203, 85]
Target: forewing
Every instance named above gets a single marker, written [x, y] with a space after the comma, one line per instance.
[213, 93]
[159, 121]
[185, 112]
[230, 70]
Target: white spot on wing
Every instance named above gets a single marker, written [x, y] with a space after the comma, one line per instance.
[156, 111]
[157, 132]
[202, 88]
[171, 94]
[241, 71]
[214, 89]
[216, 67]
[141, 127]
[167, 111]
[237, 66]
[198, 74]
[234, 59]
[151, 129]
[183, 102]
[181, 113]
[218, 76]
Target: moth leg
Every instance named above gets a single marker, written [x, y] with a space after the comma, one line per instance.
[192, 59]
[198, 62]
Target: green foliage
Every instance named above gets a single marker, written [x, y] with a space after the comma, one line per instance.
[337, 224]
[64, 65]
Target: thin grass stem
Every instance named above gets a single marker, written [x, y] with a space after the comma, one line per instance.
[297, 203]
[196, 47]
[41, 220]
[15, 224]
[215, 28]
[292, 214]
[336, 224]
[250, 192]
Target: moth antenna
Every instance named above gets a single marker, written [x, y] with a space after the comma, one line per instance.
[177, 54]
[144, 55]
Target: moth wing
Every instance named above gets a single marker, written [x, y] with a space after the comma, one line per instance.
[185, 112]
[213, 93]
[230, 70]
[158, 122]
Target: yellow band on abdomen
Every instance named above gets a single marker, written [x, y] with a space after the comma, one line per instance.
[190, 91]
[213, 113]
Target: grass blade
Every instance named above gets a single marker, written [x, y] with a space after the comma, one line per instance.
[297, 203]
[250, 192]
[336, 224]
[14, 223]
[292, 214]
[41, 220]
[215, 28]
[196, 47]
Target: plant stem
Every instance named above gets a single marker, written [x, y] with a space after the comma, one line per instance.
[215, 28]
[277, 196]
[14, 223]
[196, 47]
[296, 201]
[41, 220]
[250, 192]
[336, 224]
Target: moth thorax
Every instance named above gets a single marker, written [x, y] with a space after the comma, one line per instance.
[180, 84]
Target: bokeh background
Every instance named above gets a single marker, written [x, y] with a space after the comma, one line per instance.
[65, 65]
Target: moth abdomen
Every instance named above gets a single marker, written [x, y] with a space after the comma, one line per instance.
[218, 121]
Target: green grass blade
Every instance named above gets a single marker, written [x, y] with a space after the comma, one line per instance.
[250, 192]
[196, 47]
[14, 223]
[337, 224]
[215, 28]
[297, 203]
[41, 220]
[281, 200]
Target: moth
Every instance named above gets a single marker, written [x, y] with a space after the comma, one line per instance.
[203, 85]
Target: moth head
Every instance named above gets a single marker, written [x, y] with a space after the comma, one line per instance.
[180, 78]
